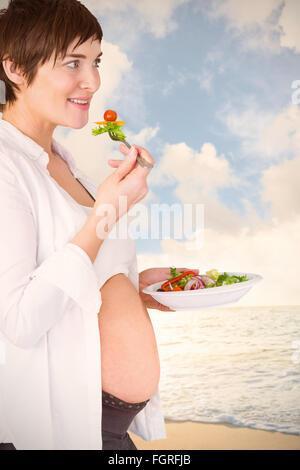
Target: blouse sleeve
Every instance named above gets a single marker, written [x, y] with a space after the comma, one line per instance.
[33, 298]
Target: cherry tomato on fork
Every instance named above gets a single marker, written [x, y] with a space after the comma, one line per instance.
[110, 115]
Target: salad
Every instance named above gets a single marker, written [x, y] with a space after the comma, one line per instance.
[113, 127]
[189, 280]
[110, 124]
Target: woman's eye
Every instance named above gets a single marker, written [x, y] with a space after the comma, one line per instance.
[74, 62]
[97, 61]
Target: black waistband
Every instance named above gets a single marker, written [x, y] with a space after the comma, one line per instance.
[117, 414]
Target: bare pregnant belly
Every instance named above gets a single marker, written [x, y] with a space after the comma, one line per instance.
[129, 356]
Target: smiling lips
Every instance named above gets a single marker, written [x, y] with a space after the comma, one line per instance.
[82, 103]
[79, 100]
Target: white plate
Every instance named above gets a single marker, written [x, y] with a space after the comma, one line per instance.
[203, 298]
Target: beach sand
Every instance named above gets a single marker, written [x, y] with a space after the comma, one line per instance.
[190, 435]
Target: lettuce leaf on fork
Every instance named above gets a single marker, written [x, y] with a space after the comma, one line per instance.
[109, 127]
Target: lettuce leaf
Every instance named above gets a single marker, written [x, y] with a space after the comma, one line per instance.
[225, 279]
[213, 273]
[174, 272]
[110, 126]
[182, 282]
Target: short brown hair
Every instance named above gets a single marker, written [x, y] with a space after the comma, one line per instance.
[31, 30]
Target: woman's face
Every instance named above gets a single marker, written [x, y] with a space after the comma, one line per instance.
[49, 94]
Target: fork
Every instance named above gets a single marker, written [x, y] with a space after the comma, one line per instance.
[140, 159]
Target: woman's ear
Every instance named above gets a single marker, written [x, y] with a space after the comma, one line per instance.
[14, 73]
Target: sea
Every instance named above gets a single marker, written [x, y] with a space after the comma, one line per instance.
[233, 365]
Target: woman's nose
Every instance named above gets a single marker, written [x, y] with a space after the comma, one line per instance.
[91, 82]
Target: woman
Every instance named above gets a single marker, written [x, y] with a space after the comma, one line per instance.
[71, 317]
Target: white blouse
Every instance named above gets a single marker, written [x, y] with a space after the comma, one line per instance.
[50, 362]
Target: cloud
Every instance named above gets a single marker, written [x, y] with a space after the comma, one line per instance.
[179, 78]
[184, 165]
[281, 135]
[253, 23]
[268, 25]
[281, 189]
[144, 136]
[289, 22]
[205, 79]
[245, 15]
[157, 16]
[176, 78]
[197, 178]
[126, 20]
[265, 134]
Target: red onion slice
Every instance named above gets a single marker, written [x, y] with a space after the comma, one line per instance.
[199, 284]
[206, 279]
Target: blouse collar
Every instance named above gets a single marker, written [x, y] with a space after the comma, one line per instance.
[34, 151]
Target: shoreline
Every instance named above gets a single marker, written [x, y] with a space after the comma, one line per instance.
[230, 425]
[194, 435]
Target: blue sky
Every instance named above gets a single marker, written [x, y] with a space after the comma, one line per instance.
[205, 86]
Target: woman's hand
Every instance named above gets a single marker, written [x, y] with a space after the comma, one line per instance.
[129, 180]
[151, 276]
[125, 150]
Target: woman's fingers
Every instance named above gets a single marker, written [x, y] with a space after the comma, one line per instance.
[114, 163]
[141, 151]
[187, 269]
[126, 166]
[117, 163]
[124, 149]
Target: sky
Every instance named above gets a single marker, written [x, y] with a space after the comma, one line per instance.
[206, 87]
